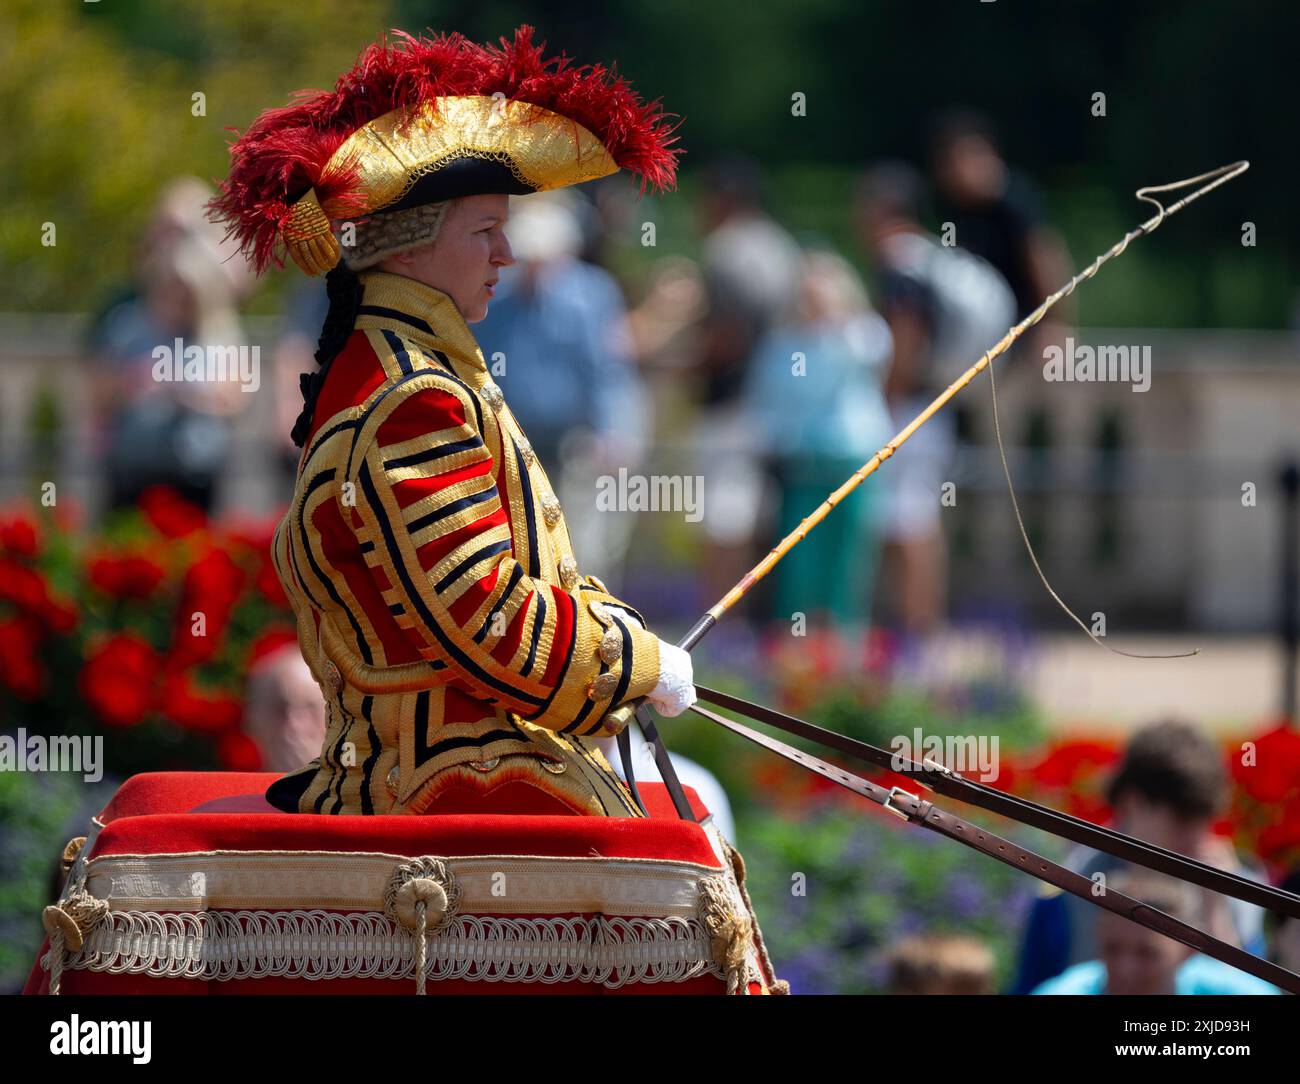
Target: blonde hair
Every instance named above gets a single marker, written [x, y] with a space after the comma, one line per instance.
[940, 964]
[384, 235]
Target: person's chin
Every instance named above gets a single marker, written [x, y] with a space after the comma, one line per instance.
[477, 313]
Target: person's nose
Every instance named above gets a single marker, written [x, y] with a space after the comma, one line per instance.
[503, 256]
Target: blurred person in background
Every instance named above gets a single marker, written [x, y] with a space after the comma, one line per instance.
[556, 340]
[750, 268]
[305, 310]
[1134, 960]
[997, 215]
[814, 394]
[940, 964]
[944, 308]
[188, 283]
[284, 712]
[1170, 789]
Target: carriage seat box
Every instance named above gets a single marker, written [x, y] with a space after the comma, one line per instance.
[190, 882]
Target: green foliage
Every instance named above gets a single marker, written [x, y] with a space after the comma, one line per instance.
[97, 99]
[100, 116]
[38, 813]
[836, 888]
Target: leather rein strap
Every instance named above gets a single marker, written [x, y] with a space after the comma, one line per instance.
[662, 761]
[651, 732]
[917, 810]
[943, 780]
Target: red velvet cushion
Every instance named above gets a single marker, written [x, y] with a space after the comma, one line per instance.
[156, 813]
[178, 812]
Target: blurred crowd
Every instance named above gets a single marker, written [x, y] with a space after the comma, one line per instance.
[770, 368]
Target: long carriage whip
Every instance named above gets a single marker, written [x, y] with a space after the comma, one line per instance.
[619, 718]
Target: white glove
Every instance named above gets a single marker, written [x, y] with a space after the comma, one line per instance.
[676, 689]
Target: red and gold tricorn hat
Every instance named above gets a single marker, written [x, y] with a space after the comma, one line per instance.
[419, 121]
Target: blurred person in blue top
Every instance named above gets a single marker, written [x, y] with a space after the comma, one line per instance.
[188, 284]
[944, 307]
[1135, 960]
[1170, 788]
[814, 396]
[556, 340]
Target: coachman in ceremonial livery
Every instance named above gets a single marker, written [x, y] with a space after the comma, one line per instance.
[462, 653]
[468, 665]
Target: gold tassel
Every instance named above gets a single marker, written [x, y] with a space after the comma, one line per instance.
[307, 235]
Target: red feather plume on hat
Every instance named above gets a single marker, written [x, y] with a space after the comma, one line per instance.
[285, 152]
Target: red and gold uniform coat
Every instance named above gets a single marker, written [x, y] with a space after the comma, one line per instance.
[438, 601]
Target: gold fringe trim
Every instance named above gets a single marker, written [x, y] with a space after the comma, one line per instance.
[307, 236]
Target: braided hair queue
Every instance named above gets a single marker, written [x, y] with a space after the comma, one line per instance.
[344, 289]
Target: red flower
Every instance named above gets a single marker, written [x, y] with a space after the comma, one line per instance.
[268, 583]
[1275, 772]
[170, 513]
[23, 586]
[1280, 842]
[18, 537]
[184, 705]
[59, 616]
[1008, 779]
[118, 678]
[269, 642]
[1066, 762]
[238, 752]
[129, 575]
[255, 536]
[1088, 808]
[20, 667]
[211, 588]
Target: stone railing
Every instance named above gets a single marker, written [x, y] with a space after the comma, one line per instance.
[1135, 500]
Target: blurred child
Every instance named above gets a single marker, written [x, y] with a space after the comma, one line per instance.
[1135, 960]
[940, 964]
[1169, 790]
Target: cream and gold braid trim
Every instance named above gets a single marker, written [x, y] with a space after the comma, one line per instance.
[322, 945]
[236, 915]
[497, 884]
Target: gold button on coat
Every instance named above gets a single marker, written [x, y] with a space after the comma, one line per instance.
[611, 646]
[602, 686]
[569, 573]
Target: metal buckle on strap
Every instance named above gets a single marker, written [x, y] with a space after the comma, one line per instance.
[894, 810]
